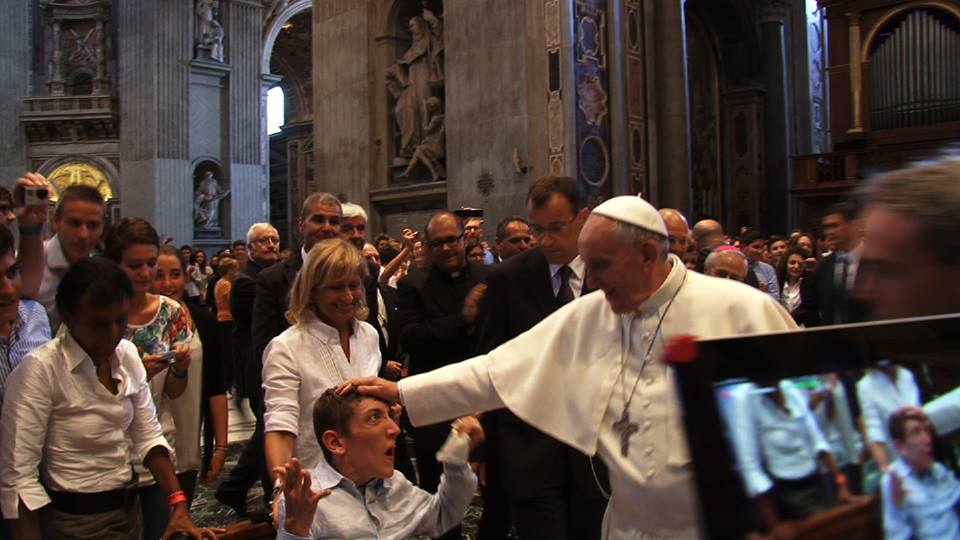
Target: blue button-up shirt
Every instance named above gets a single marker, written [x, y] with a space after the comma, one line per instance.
[30, 331]
[386, 508]
[767, 275]
[929, 509]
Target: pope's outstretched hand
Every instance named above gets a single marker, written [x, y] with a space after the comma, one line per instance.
[372, 386]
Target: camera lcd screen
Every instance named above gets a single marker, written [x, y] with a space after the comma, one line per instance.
[796, 431]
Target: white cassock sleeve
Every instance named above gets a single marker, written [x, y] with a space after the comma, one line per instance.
[449, 392]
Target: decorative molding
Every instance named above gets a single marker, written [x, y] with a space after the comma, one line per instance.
[593, 88]
[634, 36]
[552, 20]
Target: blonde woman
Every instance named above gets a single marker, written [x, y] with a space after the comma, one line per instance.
[327, 344]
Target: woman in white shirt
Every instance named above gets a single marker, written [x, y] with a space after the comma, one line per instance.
[77, 408]
[327, 344]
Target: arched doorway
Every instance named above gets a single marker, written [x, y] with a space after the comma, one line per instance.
[287, 65]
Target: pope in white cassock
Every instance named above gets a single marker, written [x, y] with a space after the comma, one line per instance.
[592, 375]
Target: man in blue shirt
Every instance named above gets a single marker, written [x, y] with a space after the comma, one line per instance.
[920, 496]
[363, 496]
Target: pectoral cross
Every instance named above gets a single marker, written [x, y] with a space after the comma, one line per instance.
[626, 428]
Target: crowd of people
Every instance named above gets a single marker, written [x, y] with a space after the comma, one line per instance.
[119, 351]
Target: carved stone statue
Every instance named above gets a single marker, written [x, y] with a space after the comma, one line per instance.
[432, 149]
[206, 203]
[415, 80]
[209, 34]
[406, 112]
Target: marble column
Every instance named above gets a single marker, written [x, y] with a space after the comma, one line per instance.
[15, 31]
[243, 25]
[670, 87]
[776, 129]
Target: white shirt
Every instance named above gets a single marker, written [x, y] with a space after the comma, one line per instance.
[790, 295]
[53, 271]
[60, 420]
[879, 396]
[580, 347]
[299, 365]
[842, 435]
[767, 438]
[577, 267]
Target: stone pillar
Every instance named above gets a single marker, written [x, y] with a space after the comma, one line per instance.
[774, 195]
[342, 104]
[672, 126]
[488, 115]
[15, 31]
[249, 200]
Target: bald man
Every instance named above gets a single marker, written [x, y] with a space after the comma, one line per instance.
[678, 232]
[707, 235]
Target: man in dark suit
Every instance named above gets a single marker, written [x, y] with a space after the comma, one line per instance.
[826, 296]
[551, 488]
[436, 323]
[319, 220]
[263, 250]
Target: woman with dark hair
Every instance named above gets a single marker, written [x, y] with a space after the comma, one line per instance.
[790, 273]
[160, 330]
[83, 410]
[206, 390]
[198, 274]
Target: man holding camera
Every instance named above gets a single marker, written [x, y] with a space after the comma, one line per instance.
[78, 222]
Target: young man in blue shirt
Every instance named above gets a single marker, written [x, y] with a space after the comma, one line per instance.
[360, 494]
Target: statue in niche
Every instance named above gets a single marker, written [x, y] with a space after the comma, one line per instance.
[431, 151]
[209, 35]
[412, 82]
[206, 203]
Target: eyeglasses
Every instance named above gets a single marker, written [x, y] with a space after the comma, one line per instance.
[267, 240]
[448, 241]
[552, 229]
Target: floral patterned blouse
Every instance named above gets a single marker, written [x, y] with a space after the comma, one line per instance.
[168, 328]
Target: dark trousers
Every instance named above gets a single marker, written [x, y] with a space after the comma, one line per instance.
[495, 520]
[252, 465]
[427, 440]
[120, 524]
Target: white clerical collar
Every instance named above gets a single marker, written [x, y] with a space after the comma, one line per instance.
[667, 289]
[576, 265]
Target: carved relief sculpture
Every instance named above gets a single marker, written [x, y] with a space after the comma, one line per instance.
[206, 203]
[416, 85]
[209, 32]
[431, 151]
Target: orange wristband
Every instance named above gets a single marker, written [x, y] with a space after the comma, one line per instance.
[177, 497]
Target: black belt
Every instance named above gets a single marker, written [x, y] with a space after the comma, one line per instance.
[92, 503]
[807, 482]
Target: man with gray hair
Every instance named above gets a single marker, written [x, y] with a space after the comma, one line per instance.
[263, 250]
[577, 375]
[728, 263]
